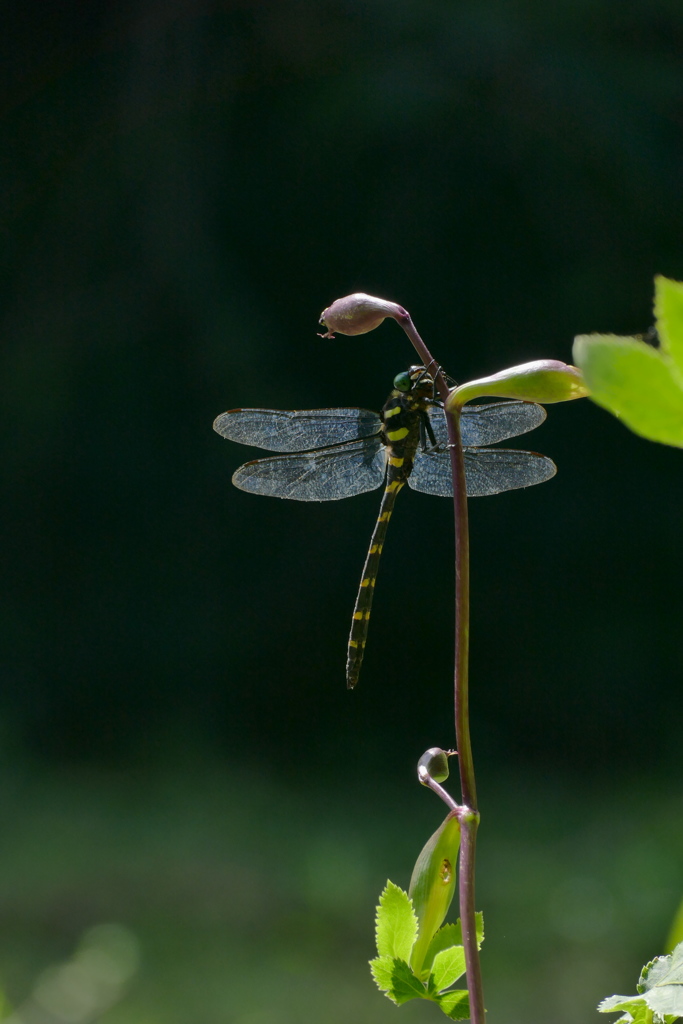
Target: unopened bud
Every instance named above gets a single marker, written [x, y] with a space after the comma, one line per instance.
[434, 765]
[358, 314]
[433, 884]
[543, 380]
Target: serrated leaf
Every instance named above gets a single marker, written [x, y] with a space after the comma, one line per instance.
[395, 978]
[455, 1004]
[637, 1010]
[614, 1003]
[669, 317]
[451, 935]
[447, 937]
[448, 966]
[395, 923]
[661, 983]
[642, 1015]
[382, 968]
[636, 382]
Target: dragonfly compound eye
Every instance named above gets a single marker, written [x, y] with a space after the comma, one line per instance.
[403, 382]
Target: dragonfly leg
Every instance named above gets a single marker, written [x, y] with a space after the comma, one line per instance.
[427, 434]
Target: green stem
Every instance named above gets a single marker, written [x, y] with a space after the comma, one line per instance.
[470, 818]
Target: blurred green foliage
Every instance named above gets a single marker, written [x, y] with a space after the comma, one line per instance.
[252, 901]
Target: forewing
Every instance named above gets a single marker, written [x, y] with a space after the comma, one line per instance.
[488, 471]
[317, 476]
[296, 431]
[487, 424]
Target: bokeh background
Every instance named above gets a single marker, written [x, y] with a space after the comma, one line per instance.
[197, 817]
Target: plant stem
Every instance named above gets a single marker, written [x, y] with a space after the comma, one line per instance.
[427, 780]
[469, 819]
[469, 822]
[425, 355]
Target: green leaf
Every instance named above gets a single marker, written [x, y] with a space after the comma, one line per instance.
[396, 923]
[447, 937]
[669, 316]
[448, 966]
[382, 968]
[661, 983]
[637, 1010]
[614, 1003]
[395, 978]
[642, 1015]
[455, 1004]
[636, 382]
[451, 935]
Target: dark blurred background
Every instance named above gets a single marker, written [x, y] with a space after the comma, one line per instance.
[185, 186]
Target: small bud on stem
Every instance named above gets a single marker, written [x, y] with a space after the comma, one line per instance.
[543, 380]
[433, 764]
[433, 884]
[358, 314]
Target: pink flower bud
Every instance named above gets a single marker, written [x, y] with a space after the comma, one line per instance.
[543, 380]
[358, 314]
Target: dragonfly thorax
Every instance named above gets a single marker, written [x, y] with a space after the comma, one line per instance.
[416, 378]
[402, 416]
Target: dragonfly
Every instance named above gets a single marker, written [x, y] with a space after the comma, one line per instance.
[337, 453]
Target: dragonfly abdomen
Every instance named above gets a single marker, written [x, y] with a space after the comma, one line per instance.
[361, 612]
[400, 433]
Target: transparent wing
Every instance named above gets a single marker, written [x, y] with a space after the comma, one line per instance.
[317, 476]
[296, 431]
[486, 424]
[488, 471]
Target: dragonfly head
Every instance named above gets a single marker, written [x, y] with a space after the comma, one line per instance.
[415, 379]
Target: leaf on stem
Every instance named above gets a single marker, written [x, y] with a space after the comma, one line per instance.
[661, 983]
[638, 383]
[395, 923]
[455, 1004]
[395, 978]
[660, 993]
[451, 935]
[448, 966]
[669, 317]
[636, 1009]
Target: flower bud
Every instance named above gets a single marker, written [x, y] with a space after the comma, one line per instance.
[433, 764]
[543, 380]
[432, 885]
[358, 314]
